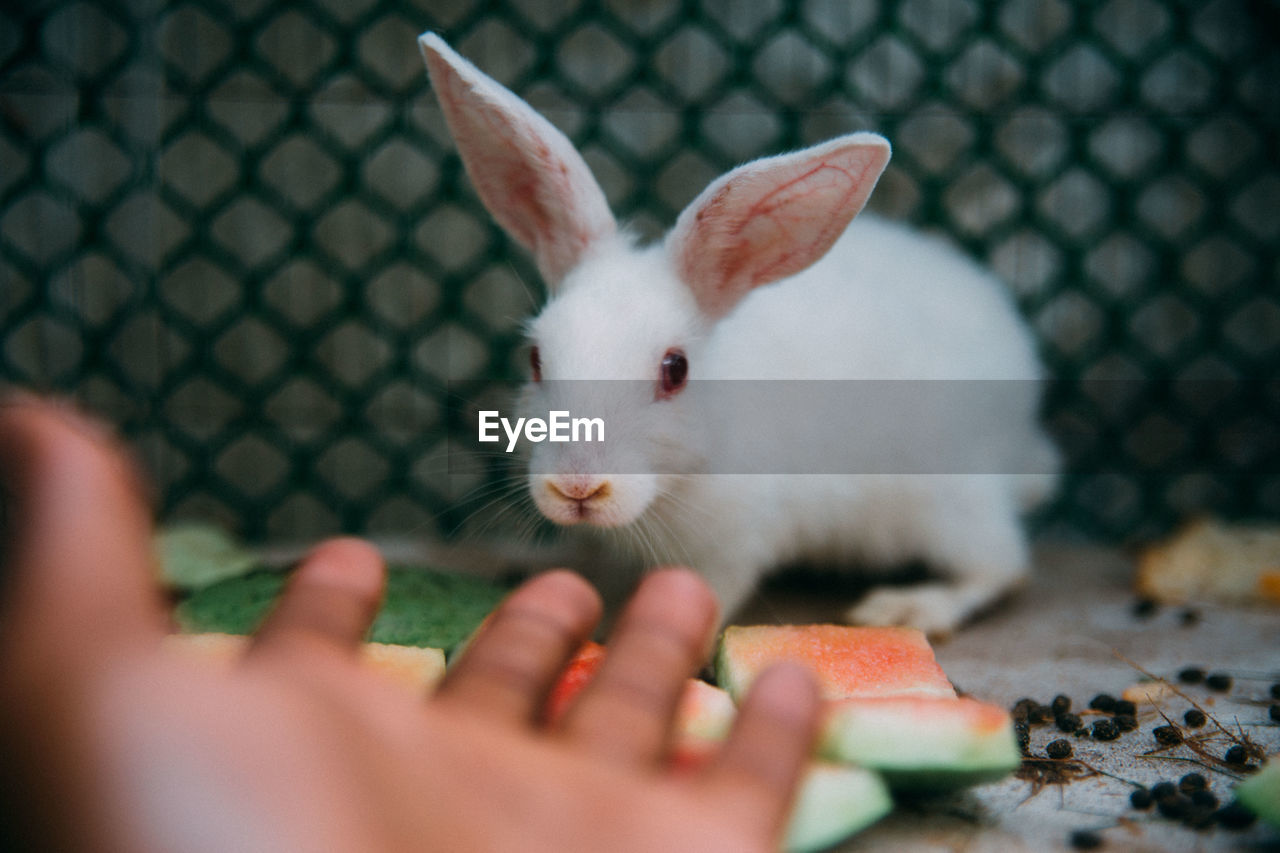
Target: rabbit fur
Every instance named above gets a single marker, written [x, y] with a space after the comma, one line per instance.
[764, 278]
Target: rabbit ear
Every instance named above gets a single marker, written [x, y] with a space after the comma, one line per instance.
[527, 172]
[772, 218]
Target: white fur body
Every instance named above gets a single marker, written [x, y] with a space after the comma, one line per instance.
[760, 280]
[885, 303]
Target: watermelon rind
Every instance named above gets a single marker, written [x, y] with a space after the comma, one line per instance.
[705, 712]
[833, 803]
[889, 706]
[922, 745]
[415, 667]
[1260, 793]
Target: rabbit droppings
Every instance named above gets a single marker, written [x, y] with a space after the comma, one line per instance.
[916, 468]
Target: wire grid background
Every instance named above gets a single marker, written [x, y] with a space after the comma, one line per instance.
[239, 230]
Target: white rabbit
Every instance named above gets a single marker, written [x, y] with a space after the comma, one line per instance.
[733, 491]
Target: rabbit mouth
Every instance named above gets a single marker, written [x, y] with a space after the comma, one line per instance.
[600, 501]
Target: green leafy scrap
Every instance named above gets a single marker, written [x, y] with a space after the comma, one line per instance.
[422, 607]
[194, 555]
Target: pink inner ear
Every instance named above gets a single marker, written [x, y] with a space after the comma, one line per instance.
[497, 174]
[526, 172]
[774, 220]
[527, 219]
[781, 230]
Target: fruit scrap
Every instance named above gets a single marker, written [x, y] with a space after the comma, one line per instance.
[581, 669]
[923, 743]
[834, 800]
[1149, 692]
[847, 661]
[1260, 793]
[890, 707]
[1209, 560]
[420, 669]
[1269, 586]
[704, 716]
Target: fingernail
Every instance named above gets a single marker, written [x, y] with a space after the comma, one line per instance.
[787, 692]
[350, 564]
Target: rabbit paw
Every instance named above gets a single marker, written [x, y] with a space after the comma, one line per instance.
[933, 608]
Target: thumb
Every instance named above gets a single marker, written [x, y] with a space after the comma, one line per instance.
[77, 565]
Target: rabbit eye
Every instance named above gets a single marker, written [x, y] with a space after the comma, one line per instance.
[535, 364]
[673, 374]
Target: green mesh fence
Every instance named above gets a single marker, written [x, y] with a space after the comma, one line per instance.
[238, 228]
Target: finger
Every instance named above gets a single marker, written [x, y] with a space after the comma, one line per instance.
[509, 668]
[78, 564]
[626, 712]
[331, 597]
[756, 774]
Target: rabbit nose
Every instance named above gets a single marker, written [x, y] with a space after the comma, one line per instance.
[579, 488]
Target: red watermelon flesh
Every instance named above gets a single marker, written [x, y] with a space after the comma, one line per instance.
[705, 712]
[890, 706]
[581, 669]
[690, 756]
[848, 661]
[833, 801]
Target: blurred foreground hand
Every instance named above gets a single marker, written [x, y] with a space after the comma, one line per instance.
[110, 743]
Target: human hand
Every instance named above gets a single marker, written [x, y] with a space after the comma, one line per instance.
[119, 744]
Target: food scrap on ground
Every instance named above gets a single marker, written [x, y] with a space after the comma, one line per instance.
[421, 606]
[415, 667]
[1159, 747]
[1208, 560]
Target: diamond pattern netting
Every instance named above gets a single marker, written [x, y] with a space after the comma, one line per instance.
[239, 229]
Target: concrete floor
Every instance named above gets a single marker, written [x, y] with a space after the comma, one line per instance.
[1060, 635]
